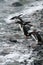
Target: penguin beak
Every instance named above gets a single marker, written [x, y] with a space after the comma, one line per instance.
[12, 18]
[15, 17]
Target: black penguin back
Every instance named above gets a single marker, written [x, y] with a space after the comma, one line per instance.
[38, 37]
[25, 30]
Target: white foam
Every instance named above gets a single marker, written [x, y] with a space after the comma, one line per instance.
[7, 20]
[2, 60]
[31, 10]
[12, 55]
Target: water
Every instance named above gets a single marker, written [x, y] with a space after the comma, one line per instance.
[24, 51]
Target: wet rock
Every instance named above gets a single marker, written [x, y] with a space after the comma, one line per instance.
[13, 63]
[12, 40]
[21, 63]
[16, 4]
[37, 0]
[40, 53]
[37, 48]
[2, 60]
[3, 53]
[32, 5]
[42, 17]
[25, 62]
[37, 11]
[34, 14]
[18, 29]
[37, 62]
[40, 43]
[1, 0]
[42, 4]
[41, 24]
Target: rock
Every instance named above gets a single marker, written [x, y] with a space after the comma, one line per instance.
[40, 43]
[38, 62]
[25, 62]
[3, 53]
[37, 11]
[40, 53]
[13, 63]
[41, 24]
[16, 4]
[32, 5]
[34, 14]
[37, 0]
[1, 0]
[2, 60]
[12, 40]
[37, 48]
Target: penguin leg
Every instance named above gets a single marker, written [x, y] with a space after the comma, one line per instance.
[34, 38]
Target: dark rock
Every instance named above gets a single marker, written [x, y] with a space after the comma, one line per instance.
[40, 43]
[42, 4]
[41, 24]
[3, 53]
[18, 29]
[37, 11]
[40, 53]
[32, 5]
[34, 14]
[42, 16]
[21, 63]
[29, 58]
[37, 0]
[25, 62]
[12, 40]
[16, 4]
[2, 1]
[37, 62]
[37, 48]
